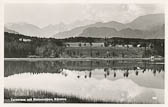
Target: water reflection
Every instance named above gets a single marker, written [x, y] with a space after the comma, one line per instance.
[12, 67]
[116, 80]
[66, 84]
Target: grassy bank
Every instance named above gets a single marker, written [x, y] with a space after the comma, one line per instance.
[10, 95]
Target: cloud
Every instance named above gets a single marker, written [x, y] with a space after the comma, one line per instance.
[120, 12]
[44, 14]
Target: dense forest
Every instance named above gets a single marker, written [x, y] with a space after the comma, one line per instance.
[15, 46]
[18, 46]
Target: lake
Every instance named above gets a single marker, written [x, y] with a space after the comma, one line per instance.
[90, 81]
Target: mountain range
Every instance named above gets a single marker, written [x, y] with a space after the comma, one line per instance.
[149, 26]
[10, 31]
[47, 31]
[142, 27]
[105, 32]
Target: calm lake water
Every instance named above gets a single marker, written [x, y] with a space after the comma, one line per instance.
[114, 81]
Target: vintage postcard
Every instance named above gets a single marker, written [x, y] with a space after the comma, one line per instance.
[94, 53]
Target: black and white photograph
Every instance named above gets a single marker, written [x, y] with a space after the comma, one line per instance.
[92, 53]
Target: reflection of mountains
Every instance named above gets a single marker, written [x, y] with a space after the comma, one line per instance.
[16, 67]
[69, 86]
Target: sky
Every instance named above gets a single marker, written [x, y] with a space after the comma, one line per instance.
[44, 14]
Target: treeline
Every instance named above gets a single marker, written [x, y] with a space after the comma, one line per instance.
[17, 45]
[83, 39]
[116, 40]
[156, 45]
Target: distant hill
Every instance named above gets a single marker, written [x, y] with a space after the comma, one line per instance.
[147, 22]
[102, 32]
[99, 32]
[157, 33]
[10, 31]
[24, 28]
[78, 30]
[47, 31]
[143, 26]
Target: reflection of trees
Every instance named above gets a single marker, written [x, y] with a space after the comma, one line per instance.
[136, 69]
[126, 73]
[90, 74]
[48, 66]
[64, 73]
[85, 76]
[114, 74]
[145, 63]
[16, 67]
[143, 70]
[106, 72]
[154, 72]
[78, 76]
[85, 65]
[136, 73]
[105, 75]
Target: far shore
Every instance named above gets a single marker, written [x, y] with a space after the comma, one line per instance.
[76, 59]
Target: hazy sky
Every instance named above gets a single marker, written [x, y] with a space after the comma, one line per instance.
[44, 14]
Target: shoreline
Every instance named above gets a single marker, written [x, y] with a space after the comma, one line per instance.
[76, 59]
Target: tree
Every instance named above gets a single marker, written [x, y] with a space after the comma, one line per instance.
[49, 50]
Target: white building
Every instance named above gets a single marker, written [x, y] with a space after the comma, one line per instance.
[83, 44]
[24, 40]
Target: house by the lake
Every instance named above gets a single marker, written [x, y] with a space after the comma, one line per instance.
[84, 44]
[24, 40]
